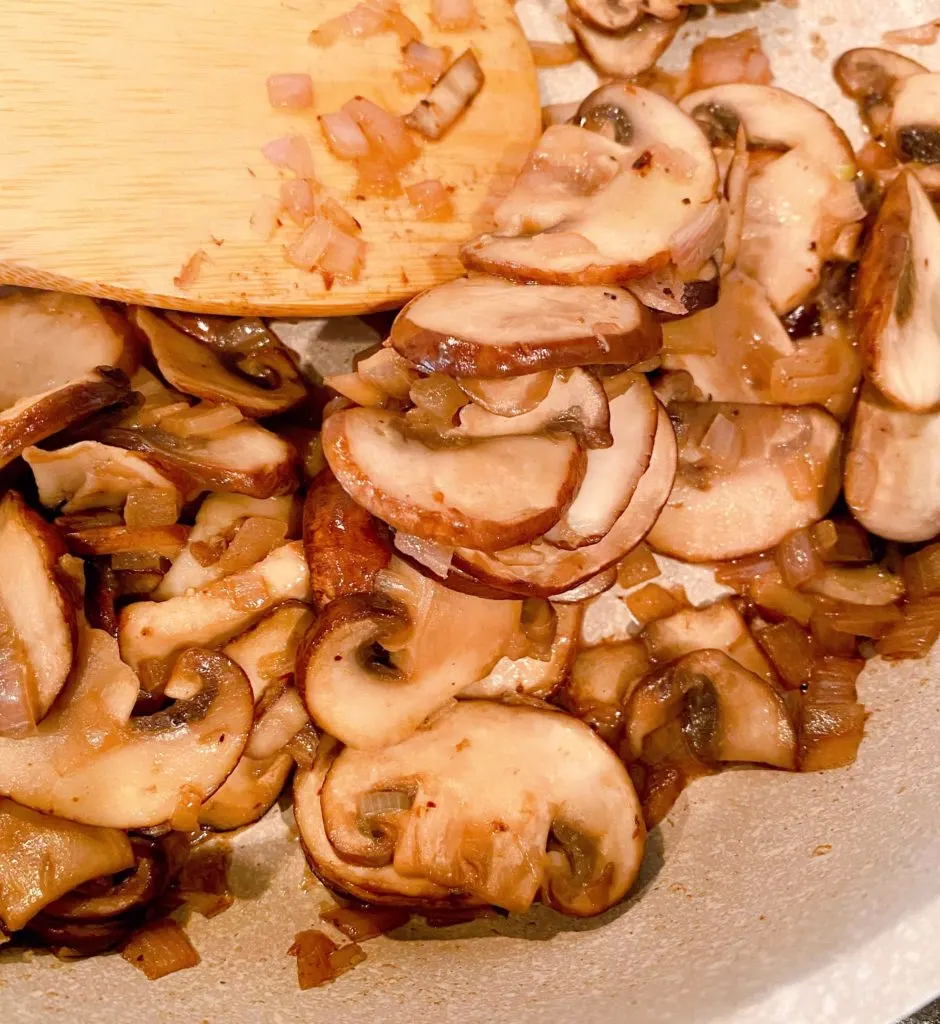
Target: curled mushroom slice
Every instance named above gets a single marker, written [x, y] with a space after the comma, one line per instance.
[898, 298]
[629, 51]
[485, 493]
[482, 327]
[667, 181]
[612, 473]
[540, 569]
[576, 401]
[273, 386]
[870, 76]
[719, 626]
[243, 457]
[46, 857]
[346, 546]
[247, 794]
[48, 340]
[725, 713]
[782, 462]
[608, 15]
[801, 207]
[892, 475]
[151, 632]
[529, 675]
[476, 813]
[32, 419]
[90, 761]
[374, 666]
[37, 617]
[231, 532]
[93, 475]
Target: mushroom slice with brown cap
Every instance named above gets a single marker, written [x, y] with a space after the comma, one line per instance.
[484, 493]
[90, 761]
[374, 666]
[216, 546]
[870, 76]
[627, 52]
[914, 125]
[540, 569]
[243, 457]
[576, 402]
[346, 546]
[364, 882]
[482, 327]
[719, 626]
[892, 474]
[90, 475]
[898, 298]
[49, 339]
[667, 182]
[247, 794]
[46, 857]
[725, 713]
[529, 675]
[612, 473]
[608, 15]
[37, 617]
[505, 803]
[33, 419]
[748, 475]
[197, 369]
[151, 632]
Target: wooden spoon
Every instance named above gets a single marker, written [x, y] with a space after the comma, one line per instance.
[132, 133]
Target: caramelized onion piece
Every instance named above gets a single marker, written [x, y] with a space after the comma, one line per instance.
[451, 95]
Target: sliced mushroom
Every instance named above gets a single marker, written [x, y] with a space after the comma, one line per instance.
[32, 419]
[486, 493]
[608, 15]
[801, 207]
[243, 458]
[628, 52]
[898, 298]
[247, 794]
[49, 340]
[600, 681]
[46, 857]
[542, 570]
[93, 475]
[719, 627]
[90, 761]
[482, 327]
[528, 675]
[730, 349]
[575, 402]
[272, 386]
[160, 541]
[892, 475]
[267, 651]
[509, 396]
[914, 125]
[492, 803]
[346, 546]
[667, 180]
[37, 617]
[374, 666]
[613, 473]
[782, 474]
[600, 583]
[214, 533]
[870, 76]
[151, 632]
[725, 712]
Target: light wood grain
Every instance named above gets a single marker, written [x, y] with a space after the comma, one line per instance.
[130, 137]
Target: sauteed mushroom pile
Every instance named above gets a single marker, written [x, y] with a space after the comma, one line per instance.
[701, 329]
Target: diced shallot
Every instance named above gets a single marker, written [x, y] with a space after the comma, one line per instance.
[915, 634]
[722, 60]
[433, 115]
[638, 566]
[789, 648]
[798, 558]
[652, 602]
[922, 572]
[866, 584]
[323, 246]
[298, 200]
[367, 19]
[723, 444]
[424, 65]
[292, 153]
[431, 200]
[553, 55]
[344, 220]
[384, 131]
[293, 91]
[360, 923]
[344, 137]
[453, 15]
[189, 272]
[159, 949]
